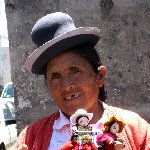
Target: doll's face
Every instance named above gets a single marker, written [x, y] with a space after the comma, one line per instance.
[83, 121]
[114, 129]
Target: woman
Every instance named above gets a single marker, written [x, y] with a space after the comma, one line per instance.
[75, 77]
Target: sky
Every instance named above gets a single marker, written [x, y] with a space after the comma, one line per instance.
[3, 25]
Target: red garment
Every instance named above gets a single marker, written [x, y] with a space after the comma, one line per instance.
[106, 137]
[136, 133]
[71, 145]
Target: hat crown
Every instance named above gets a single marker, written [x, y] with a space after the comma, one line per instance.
[54, 34]
[80, 112]
[50, 27]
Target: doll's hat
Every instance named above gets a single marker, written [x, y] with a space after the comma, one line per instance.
[54, 34]
[80, 112]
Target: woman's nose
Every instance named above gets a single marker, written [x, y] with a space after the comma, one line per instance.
[68, 83]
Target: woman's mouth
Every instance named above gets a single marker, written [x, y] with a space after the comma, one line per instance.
[71, 97]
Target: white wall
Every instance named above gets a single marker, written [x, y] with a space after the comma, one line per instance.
[5, 71]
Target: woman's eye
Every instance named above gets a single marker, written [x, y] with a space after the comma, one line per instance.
[74, 70]
[55, 76]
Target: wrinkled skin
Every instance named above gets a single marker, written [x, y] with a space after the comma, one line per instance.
[73, 84]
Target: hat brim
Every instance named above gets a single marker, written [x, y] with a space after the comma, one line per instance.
[36, 61]
[74, 116]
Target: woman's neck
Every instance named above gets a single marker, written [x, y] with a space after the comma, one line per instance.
[97, 113]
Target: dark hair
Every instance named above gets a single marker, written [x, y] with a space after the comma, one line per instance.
[77, 119]
[88, 52]
[110, 124]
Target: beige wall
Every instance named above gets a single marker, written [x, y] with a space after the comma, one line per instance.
[5, 70]
[6, 66]
[5, 75]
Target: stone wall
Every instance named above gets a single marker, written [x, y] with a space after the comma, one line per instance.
[124, 50]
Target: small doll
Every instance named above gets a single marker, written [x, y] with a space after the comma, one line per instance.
[81, 131]
[108, 138]
[82, 135]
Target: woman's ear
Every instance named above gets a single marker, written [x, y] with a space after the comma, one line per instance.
[101, 75]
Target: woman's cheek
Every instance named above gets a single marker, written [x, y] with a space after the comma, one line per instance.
[89, 79]
[53, 88]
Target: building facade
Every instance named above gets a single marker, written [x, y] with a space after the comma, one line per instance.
[5, 71]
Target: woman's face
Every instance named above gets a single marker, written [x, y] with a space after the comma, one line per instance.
[72, 82]
[114, 129]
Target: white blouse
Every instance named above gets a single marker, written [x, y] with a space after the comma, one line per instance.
[62, 129]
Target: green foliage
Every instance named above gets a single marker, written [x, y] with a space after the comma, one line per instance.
[1, 89]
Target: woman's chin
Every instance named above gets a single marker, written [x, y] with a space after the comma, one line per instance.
[69, 111]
